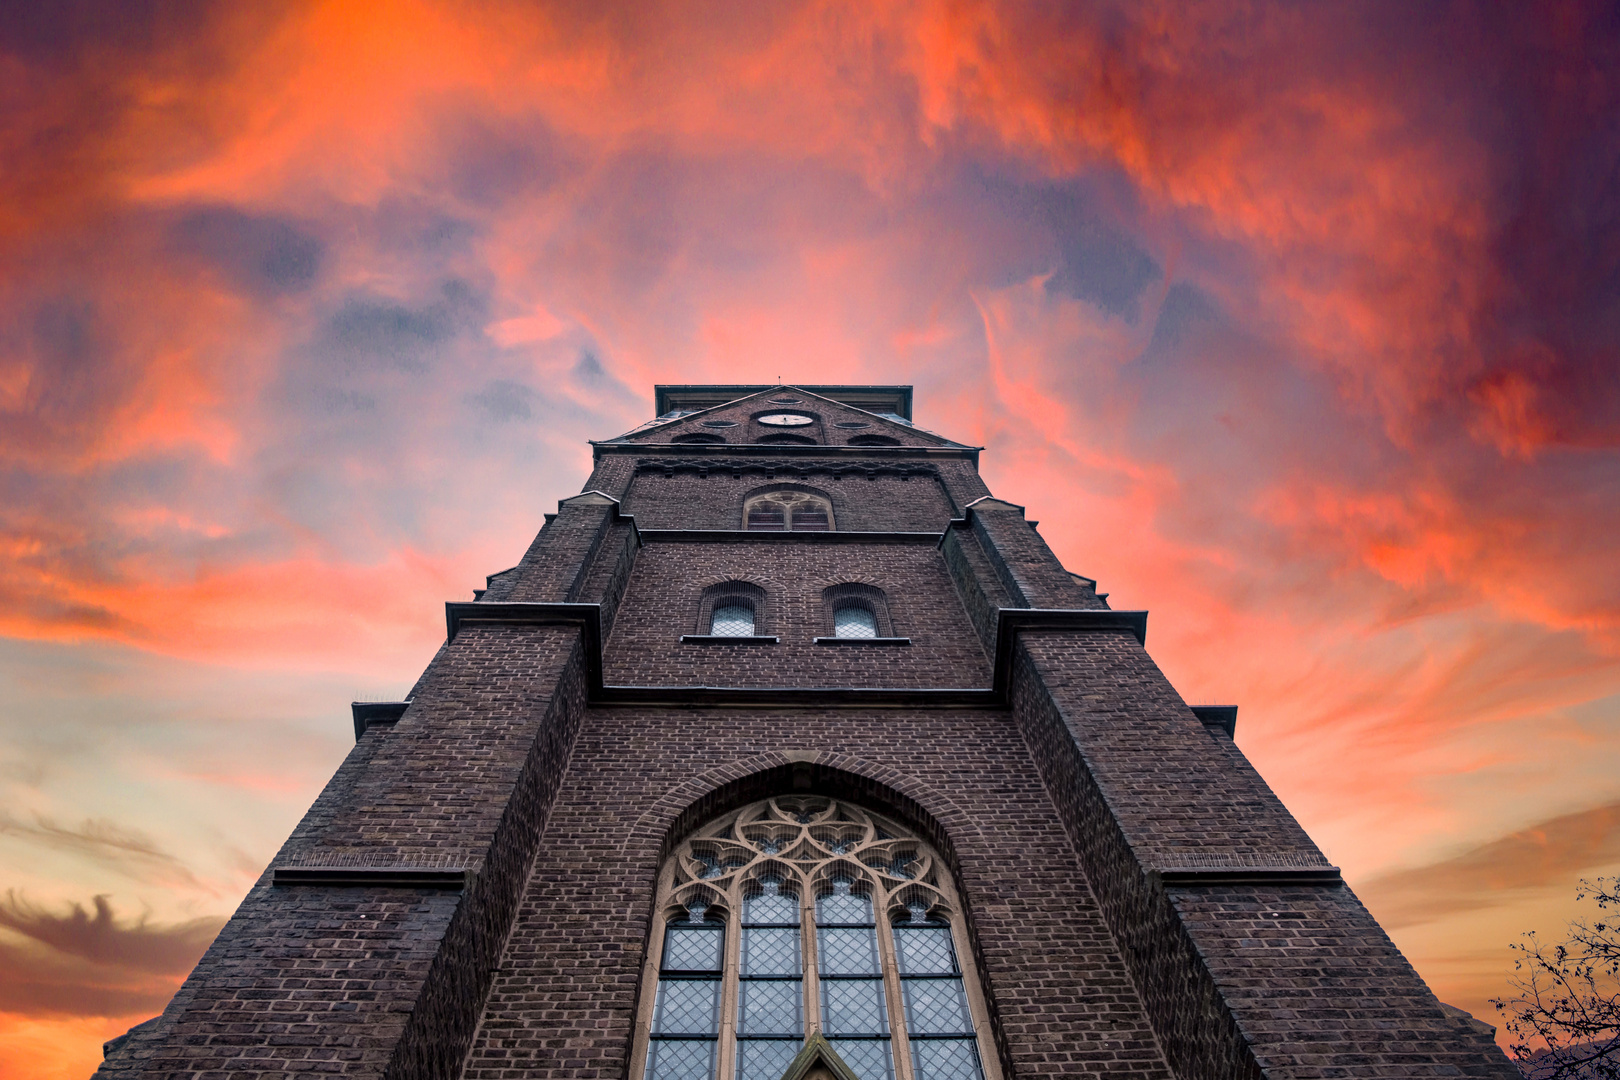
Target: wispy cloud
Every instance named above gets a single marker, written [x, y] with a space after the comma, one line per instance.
[84, 963]
[127, 851]
[101, 938]
[1553, 852]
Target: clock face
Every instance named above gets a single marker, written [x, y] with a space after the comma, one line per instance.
[782, 419]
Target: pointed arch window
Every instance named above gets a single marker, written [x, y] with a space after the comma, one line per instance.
[804, 915]
[788, 511]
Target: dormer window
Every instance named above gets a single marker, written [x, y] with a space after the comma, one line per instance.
[788, 511]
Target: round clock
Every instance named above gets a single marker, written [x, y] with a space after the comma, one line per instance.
[782, 419]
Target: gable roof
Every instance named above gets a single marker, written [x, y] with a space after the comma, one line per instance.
[720, 418]
[692, 397]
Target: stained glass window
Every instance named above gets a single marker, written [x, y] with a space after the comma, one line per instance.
[843, 927]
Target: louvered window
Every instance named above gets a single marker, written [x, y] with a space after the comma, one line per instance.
[768, 517]
[788, 511]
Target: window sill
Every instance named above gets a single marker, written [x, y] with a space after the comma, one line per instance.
[863, 641]
[726, 639]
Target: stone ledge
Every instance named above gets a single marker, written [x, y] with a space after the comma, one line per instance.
[393, 877]
[1222, 717]
[764, 536]
[1191, 869]
[367, 713]
[1193, 877]
[728, 639]
[799, 697]
[862, 641]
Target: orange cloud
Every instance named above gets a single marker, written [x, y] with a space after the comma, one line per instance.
[1286, 324]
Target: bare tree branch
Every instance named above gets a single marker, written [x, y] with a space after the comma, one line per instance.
[1565, 1022]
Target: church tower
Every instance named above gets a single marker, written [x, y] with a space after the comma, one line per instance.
[787, 750]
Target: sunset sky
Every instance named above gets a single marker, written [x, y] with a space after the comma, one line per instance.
[1298, 326]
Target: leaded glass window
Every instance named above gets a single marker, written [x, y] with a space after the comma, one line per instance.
[685, 1029]
[854, 620]
[732, 619]
[804, 914]
[770, 982]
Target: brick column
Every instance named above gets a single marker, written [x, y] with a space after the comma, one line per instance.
[1244, 972]
[356, 975]
[1026, 567]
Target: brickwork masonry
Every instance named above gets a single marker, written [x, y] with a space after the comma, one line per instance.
[370, 981]
[564, 1000]
[476, 881]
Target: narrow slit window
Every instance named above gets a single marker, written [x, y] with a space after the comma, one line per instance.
[685, 1031]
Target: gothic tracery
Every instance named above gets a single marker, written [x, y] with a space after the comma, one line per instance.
[804, 914]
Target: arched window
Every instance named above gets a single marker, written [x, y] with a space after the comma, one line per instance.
[873, 440]
[788, 511]
[698, 437]
[732, 609]
[787, 440]
[801, 915]
[856, 611]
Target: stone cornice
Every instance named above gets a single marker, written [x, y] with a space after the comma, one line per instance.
[393, 877]
[368, 713]
[790, 450]
[759, 536]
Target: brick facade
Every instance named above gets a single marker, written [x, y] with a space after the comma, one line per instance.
[472, 893]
